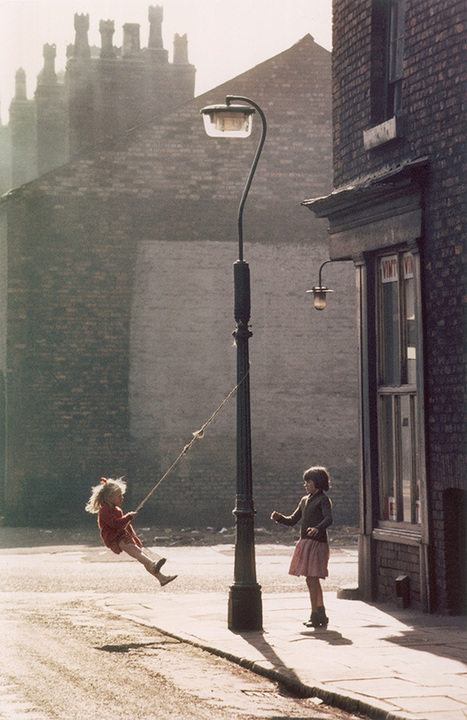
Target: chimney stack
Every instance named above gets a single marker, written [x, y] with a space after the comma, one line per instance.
[180, 49]
[131, 44]
[20, 85]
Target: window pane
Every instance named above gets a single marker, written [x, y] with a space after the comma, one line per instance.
[406, 456]
[387, 464]
[397, 357]
[410, 320]
[417, 482]
[396, 56]
[389, 351]
[396, 40]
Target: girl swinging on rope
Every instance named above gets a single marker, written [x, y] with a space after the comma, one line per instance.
[116, 530]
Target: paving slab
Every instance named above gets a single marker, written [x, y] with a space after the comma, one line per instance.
[379, 661]
[383, 662]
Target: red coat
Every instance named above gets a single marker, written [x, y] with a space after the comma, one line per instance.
[116, 526]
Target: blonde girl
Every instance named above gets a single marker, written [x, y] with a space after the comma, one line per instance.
[116, 530]
[311, 553]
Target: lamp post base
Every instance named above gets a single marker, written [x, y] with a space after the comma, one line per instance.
[245, 608]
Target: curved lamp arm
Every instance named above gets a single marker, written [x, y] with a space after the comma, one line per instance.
[229, 100]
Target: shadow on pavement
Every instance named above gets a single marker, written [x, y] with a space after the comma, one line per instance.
[278, 670]
[443, 635]
[331, 637]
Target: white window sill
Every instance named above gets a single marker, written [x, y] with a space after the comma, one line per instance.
[401, 533]
[383, 133]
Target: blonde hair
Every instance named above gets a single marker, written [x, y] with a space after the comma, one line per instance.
[101, 493]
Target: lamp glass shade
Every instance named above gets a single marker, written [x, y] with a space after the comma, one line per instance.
[228, 120]
[319, 299]
[319, 296]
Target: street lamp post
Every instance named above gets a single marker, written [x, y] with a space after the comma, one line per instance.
[245, 607]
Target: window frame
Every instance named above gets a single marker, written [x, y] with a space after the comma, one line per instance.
[395, 35]
[387, 59]
[387, 516]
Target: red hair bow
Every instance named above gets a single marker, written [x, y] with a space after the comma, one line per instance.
[104, 480]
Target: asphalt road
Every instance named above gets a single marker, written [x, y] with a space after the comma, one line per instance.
[65, 657]
[202, 567]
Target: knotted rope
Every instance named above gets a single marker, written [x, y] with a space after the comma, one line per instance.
[198, 435]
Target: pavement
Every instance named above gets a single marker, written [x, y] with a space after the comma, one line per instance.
[379, 661]
[382, 662]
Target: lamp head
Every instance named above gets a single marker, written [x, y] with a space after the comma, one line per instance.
[319, 296]
[227, 120]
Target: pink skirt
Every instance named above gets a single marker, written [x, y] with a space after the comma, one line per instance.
[310, 558]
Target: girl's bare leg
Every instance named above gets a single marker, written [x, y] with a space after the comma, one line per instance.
[141, 556]
[316, 593]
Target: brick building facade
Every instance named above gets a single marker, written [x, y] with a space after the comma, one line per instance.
[397, 211]
[103, 92]
[119, 313]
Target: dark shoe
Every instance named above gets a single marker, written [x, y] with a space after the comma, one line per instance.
[313, 621]
[322, 619]
[168, 580]
[157, 565]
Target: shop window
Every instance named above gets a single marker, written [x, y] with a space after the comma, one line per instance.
[399, 475]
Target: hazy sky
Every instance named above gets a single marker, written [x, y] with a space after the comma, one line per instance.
[225, 37]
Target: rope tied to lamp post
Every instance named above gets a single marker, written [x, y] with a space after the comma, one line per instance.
[198, 435]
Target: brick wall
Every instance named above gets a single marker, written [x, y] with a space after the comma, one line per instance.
[121, 347]
[433, 121]
[107, 97]
[104, 95]
[394, 560]
[298, 365]
[69, 285]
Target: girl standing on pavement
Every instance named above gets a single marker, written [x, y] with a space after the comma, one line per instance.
[116, 530]
[311, 554]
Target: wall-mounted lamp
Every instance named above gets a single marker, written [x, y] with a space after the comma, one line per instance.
[320, 290]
